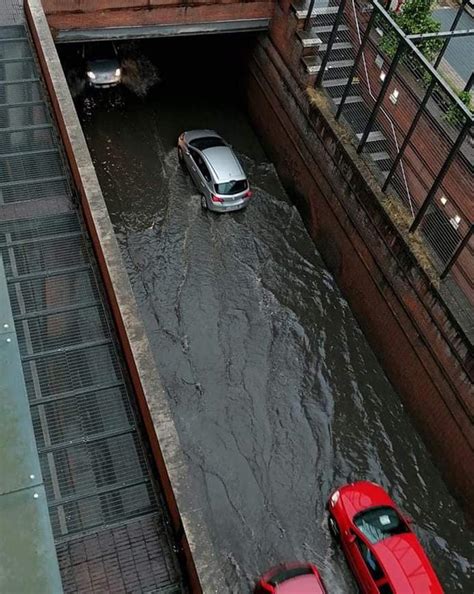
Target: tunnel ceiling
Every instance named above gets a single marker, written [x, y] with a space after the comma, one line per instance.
[154, 31]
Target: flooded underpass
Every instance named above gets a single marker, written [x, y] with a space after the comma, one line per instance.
[276, 395]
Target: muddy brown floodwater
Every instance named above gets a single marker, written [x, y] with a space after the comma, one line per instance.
[276, 395]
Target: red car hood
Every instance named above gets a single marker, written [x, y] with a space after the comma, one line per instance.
[405, 561]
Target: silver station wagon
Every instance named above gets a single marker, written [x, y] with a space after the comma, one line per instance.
[215, 169]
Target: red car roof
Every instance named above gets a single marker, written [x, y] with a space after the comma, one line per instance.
[357, 497]
[407, 566]
[304, 584]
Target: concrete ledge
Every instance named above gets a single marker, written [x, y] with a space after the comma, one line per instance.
[154, 31]
[190, 530]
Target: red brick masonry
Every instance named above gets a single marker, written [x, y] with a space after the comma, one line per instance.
[78, 14]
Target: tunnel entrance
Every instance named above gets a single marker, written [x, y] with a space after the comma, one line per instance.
[276, 395]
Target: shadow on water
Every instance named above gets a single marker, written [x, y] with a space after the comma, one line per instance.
[276, 394]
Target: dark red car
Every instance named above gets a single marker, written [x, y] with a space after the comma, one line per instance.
[291, 578]
[383, 552]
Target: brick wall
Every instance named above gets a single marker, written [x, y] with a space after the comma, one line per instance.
[83, 14]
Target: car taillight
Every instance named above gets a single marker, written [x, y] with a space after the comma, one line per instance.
[248, 194]
[315, 571]
[264, 587]
[217, 199]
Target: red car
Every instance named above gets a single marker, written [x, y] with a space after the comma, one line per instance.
[291, 578]
[383, 552]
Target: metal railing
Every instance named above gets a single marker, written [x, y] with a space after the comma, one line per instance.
[97, 469]
[408, 119]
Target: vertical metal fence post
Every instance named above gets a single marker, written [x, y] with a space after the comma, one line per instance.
[425, 100]
[401, 150]
[358, 57]
[461, 245]
[454, 24]
[469, 83]
[441, 175]
[307, 21]
[383, 91]
[331, 40]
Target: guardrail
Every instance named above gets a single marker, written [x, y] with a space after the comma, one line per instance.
[409, 121]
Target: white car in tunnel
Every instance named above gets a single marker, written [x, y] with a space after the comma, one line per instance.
[215, 169]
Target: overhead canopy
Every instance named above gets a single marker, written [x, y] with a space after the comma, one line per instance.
[153, 31]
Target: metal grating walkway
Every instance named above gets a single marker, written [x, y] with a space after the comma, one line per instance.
[104, 503]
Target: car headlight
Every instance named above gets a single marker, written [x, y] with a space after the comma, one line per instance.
[118, 72]
[335, 498]
[91, 75]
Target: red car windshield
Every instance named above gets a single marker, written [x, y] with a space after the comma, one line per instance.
[379, 523]
[288, 574]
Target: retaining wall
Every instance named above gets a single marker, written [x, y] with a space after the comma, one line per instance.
[423, 350]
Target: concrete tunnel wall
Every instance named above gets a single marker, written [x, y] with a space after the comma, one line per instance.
[425, 353]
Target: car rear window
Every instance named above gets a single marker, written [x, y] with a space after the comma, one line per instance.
[379, 523]
[288, 574]
[207, 142]
[232, 187]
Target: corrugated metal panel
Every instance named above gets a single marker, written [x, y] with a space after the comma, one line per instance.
[16, 92]
[16, 68]
[94, 460]
[28, 560]
[39, 141]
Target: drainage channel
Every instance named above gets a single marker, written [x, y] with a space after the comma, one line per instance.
[108, 519]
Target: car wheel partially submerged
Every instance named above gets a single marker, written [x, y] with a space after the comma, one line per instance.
[180, 156]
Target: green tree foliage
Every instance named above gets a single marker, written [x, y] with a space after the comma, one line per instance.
[454, 115]
[414, 18]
